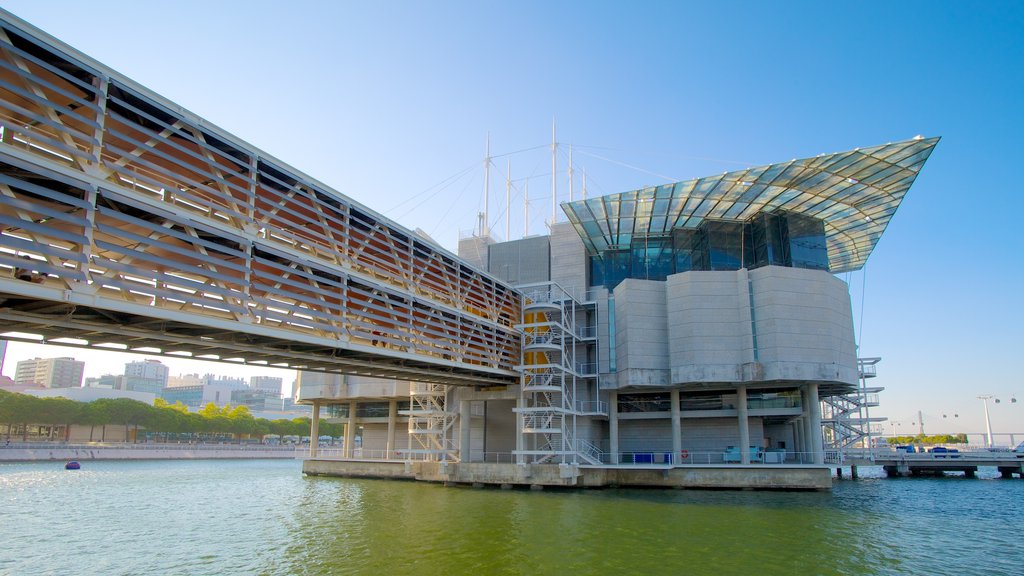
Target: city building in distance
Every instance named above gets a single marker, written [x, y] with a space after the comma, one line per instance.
[63, 372]
[147, 375]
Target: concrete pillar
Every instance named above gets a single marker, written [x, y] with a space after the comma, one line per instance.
[741, 416]
[520, 440]
[465, 424]
[807, 446]
[350, 429]
[798, 438]
[817, 445]
[677, 426]
[613, 426]
[392, 419]
[314, 430]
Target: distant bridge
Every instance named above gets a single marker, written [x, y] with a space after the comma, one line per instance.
[128, 223]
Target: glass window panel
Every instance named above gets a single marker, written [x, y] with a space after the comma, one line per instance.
[807, 248]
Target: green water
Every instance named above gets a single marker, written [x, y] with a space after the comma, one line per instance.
[264, 517]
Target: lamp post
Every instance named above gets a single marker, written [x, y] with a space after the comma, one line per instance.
[988, 422]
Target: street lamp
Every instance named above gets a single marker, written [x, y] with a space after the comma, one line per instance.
[988, 423]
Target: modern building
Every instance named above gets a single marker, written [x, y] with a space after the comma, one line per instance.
[700, 322]
[51, 372]
[693, 323]
[268, 383]
[198, 396]
[147, 375]
[111, 381]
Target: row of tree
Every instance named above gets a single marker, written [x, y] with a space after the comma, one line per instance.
[929, 440]
[23, 411]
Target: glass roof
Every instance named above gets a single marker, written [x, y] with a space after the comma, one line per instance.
[856, 193]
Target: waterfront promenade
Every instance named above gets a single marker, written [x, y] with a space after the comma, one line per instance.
[35, 451]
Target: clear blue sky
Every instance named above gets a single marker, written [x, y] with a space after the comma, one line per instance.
[383, 100]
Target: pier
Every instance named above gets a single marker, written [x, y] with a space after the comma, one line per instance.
[899, 464]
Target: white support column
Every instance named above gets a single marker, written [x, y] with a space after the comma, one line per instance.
[520, 440]
[613, 426]
[314, 430]
[392, 418]
[798, 441]
[465, 426]
[350, 429]
[814, 406]
[741, 416]
[677, 426]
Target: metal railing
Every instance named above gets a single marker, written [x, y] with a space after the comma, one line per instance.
[659, 458]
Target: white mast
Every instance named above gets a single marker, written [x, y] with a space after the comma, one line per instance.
[554, 174]
[485, 230]
[508, 201]
[526, 208]
[584, 183]
[570, 172]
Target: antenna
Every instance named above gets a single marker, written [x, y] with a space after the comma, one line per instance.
[526, 208]
[584, 183]
[485, 230]
[570, 172]
[508, 201]
[554, 174]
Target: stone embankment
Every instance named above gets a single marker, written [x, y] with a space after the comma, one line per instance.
[27, 452]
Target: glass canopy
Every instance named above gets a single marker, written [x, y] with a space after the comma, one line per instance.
[854, 193]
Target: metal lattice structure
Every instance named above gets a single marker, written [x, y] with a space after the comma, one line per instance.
[846, 419]
[431, 423]
[548, 407]
[128, 222]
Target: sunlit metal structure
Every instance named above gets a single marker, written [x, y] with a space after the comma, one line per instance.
[691, 323]
[127, 222]
[853, 194]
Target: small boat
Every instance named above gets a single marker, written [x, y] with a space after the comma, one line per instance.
[72, 465]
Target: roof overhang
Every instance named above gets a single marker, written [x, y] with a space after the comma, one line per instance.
[855, 193]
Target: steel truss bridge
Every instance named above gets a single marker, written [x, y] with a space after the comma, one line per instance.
[128, 223]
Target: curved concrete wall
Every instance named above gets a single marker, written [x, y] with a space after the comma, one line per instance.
[762, 325]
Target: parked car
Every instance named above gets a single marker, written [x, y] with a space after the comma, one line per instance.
[942, 452]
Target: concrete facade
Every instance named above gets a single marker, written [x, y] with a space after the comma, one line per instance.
[722, 369]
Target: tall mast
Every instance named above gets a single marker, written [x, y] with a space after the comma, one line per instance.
[526, 208]
[508, 201]
[554, 174]
[485, 230]
[584, 183]
[570, 173]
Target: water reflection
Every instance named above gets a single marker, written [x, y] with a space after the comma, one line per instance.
[266, 518]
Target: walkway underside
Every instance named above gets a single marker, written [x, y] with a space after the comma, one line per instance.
[68, 324]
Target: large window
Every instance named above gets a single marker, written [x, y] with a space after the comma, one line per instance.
[767, 239]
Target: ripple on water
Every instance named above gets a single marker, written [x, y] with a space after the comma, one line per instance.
[264, 517]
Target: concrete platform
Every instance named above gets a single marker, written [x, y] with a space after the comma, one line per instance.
[736, 476]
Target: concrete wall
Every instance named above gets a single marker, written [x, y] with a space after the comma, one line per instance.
[709, 332]
[800, 320]
[524, 261]
[474, 250]
[641, 334]
[146, 452]
[804, 325]
[699, 435]
[501, 427]
[715, 434]
[568, 259]
[730, 476]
